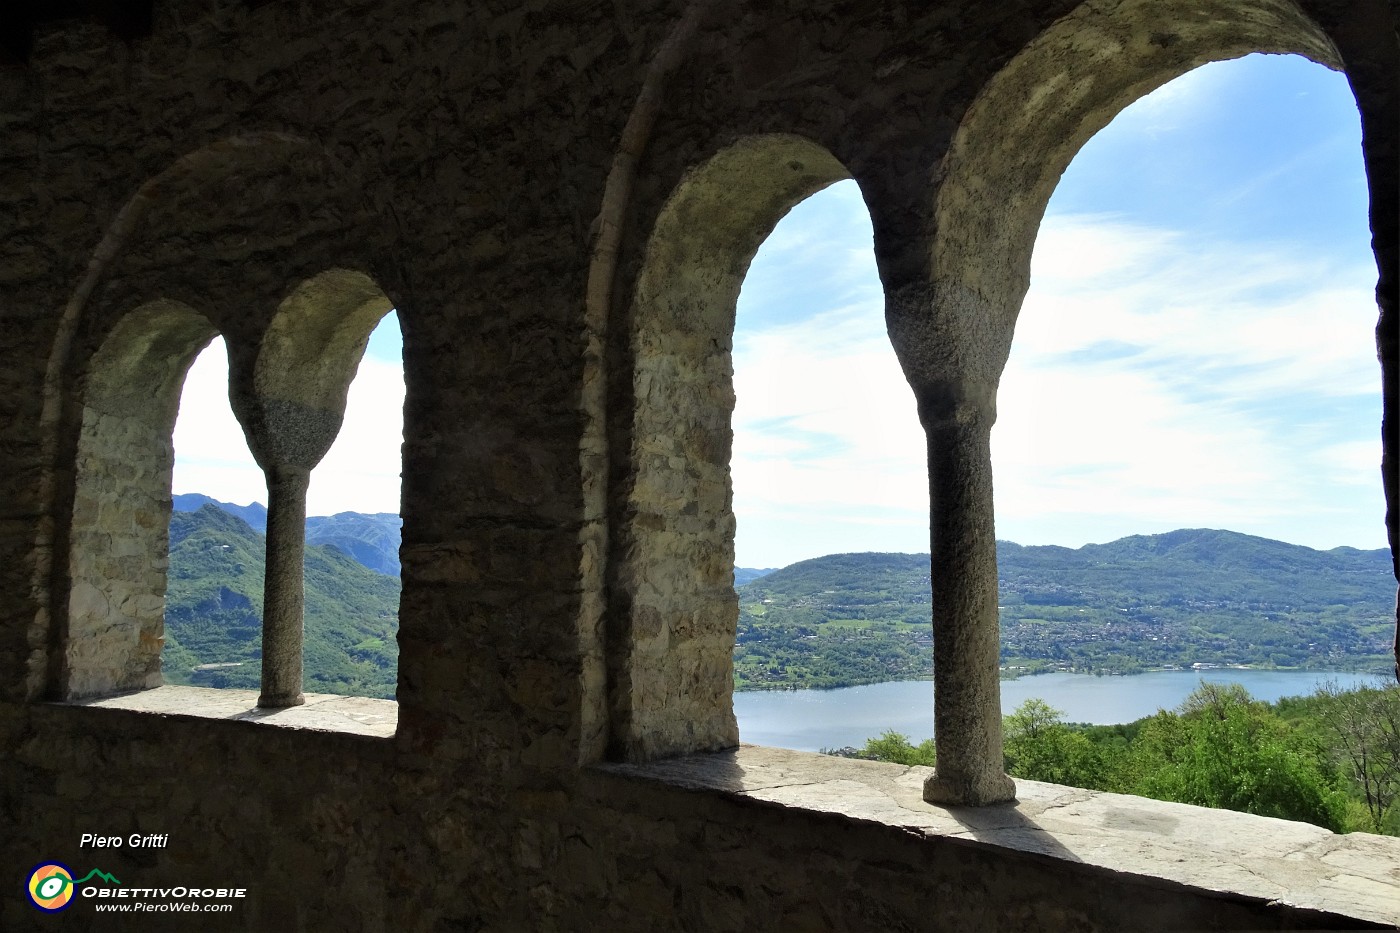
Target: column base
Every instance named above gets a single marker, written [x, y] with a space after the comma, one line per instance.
[969, 792]
[281, 702]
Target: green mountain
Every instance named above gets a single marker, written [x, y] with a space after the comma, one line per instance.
[254, 513]
[372, 539]
[213, 621]
[1194, 596]
[1172, 600]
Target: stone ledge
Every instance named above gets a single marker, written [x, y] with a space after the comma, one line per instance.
[1217, 852]
[322, 712]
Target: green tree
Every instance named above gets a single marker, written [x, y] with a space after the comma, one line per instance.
[896, 747]
[1039, 747]
[1225, 750]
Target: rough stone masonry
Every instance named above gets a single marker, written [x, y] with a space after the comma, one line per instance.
[560, 200]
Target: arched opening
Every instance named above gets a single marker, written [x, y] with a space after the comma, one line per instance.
[1193, 385]
[289, 393]
[1012, 146]
[338, 592]
[351, 570]
[829, 475]
[353, 532]
[672, 603]
[121, 511]
[146, 249]
[1202, 281]
[203, 596]
[213, 621]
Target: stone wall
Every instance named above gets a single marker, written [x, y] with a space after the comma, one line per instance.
[121, 506]
[561, 201]
[350, 831]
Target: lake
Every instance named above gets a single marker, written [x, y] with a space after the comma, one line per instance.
[810, 720]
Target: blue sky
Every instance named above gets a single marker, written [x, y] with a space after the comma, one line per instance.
[1196, 350]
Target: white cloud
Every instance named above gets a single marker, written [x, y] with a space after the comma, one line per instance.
[1188, 383]
[828, 452]
[1292, 321]
[1093, 248]
[211, 453]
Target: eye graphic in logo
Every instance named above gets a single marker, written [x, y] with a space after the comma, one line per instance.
[51, 887]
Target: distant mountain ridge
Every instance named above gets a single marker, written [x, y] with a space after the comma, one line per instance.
[1193, 596]
[254, 513]
[372, 539]
[744, 575]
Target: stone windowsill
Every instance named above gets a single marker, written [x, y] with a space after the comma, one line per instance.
[323, 712]
[1218, 851]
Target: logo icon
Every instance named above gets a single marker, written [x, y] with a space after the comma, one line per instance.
[51, 887]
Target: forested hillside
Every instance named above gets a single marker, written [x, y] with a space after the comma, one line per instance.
[213, 613]
[371, 538]
[1148, 601]
[1187, 597]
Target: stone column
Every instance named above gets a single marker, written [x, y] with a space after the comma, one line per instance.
[283, 593]
[966, 629]
[288, 390]
[952, 344]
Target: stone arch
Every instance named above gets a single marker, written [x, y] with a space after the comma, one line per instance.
[954, 295]
[119, 276]
[1035, 114]
[222, 158]
[119, 543]
[672, 605]
[290, 391]
[289, 395]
